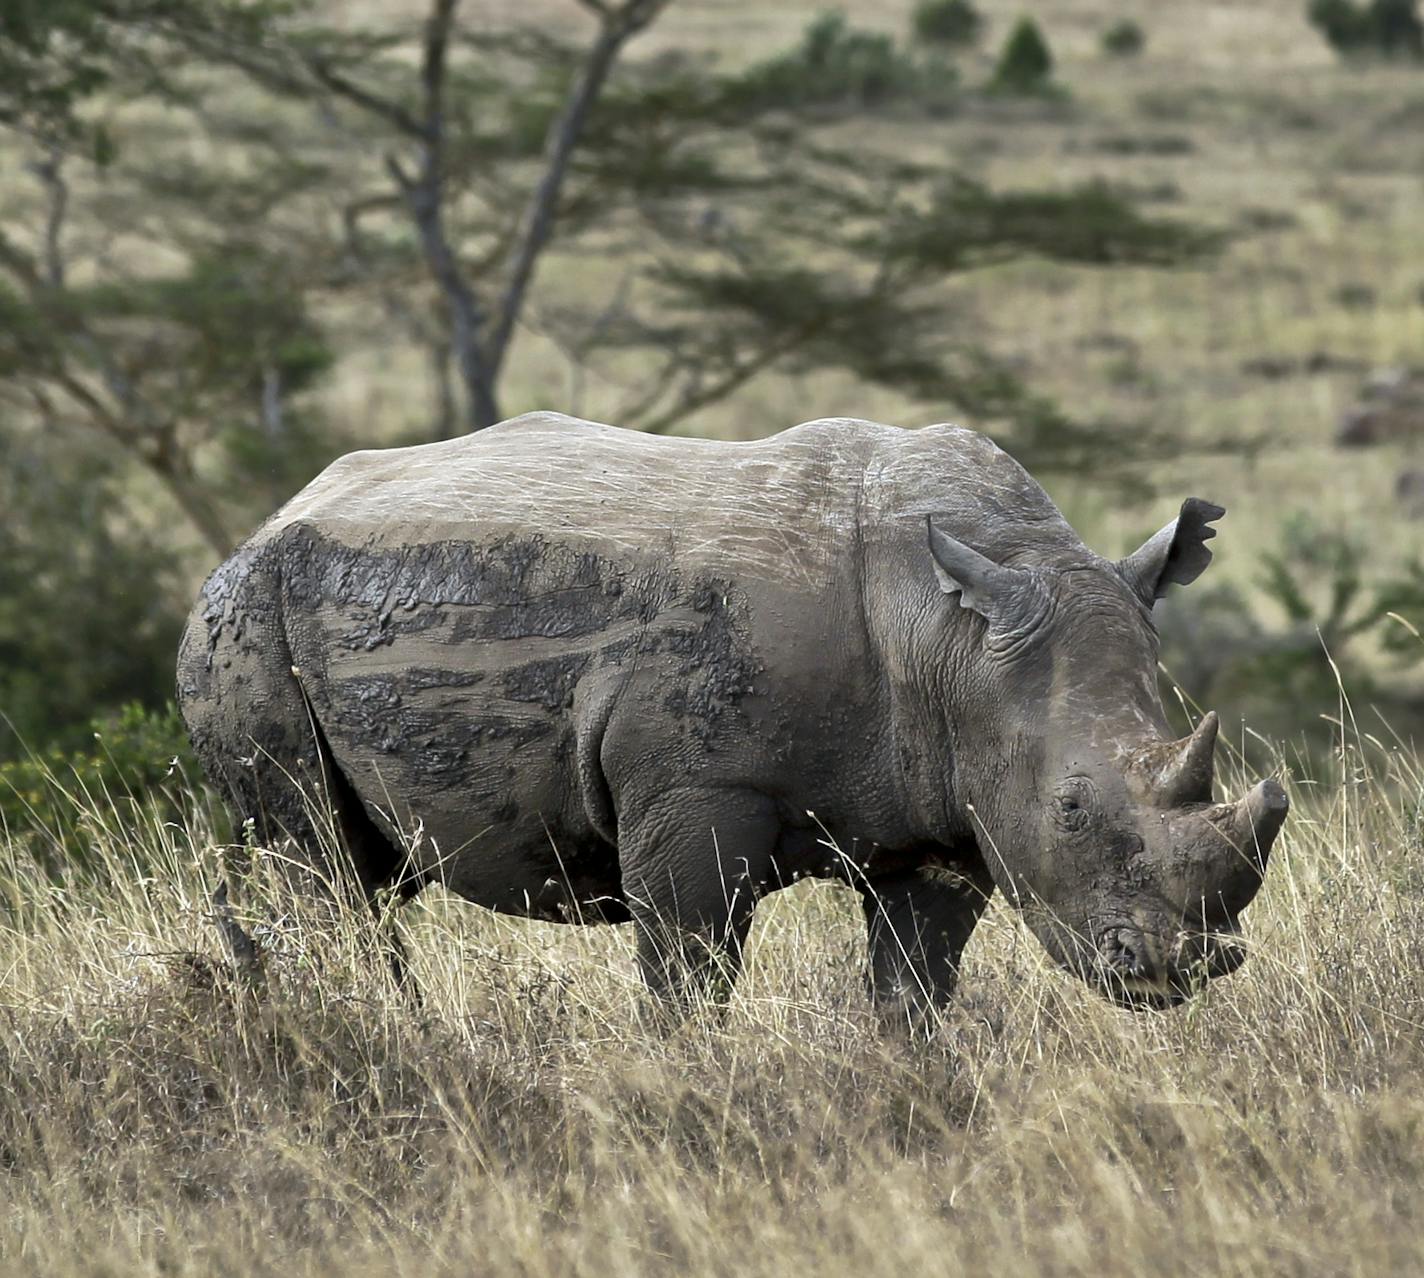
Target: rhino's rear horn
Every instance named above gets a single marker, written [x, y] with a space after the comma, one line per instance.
[1187, 774]
[1259, 817]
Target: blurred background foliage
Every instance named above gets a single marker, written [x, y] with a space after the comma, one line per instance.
[241, 237]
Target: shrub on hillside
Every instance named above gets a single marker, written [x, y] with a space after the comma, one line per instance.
[1341, 22]
[953, 22]
[1026, 62]
[836, 64]
[1387, 28]
[1396, 28]
[1287, 676]
[1123, 39]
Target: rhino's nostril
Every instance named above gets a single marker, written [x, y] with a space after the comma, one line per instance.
[1124, 952]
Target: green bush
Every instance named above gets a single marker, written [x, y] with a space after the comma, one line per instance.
[836, 64]
[67, 552]
[1123, 39]
[1387, 28]
[1026, 63]
[137, 768]
[1396, 28]
[1343, 24]
[1326, 622]
[952, 22]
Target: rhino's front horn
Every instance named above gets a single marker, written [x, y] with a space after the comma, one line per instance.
[1252, 829]
[1259, 817]
[1186, 775]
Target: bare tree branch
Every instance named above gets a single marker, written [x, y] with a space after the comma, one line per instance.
[424, 195]
[738, 374]
[479, 342]
[576, 347]
[266, 69]
[197, 503]
[433, 66]
[617, 27]
[155, 449]
[630, 411]
[392, 112]
[49, 172]
[20, 263]
[99, 412]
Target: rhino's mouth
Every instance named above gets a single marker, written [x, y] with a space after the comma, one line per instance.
[1140, 995]
[1146, 975]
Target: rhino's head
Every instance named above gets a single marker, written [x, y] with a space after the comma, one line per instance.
[1093, 820]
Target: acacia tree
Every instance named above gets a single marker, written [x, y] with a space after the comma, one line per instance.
[748, 244]
[142, 304]
[432, 169]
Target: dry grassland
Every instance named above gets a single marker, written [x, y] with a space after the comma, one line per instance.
[156, 1119]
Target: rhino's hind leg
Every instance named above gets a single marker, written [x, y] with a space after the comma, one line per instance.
[262, 747]
[693, 865]
[918, 923]
[328, 851]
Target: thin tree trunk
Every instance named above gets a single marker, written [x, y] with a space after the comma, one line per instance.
[424, 196]
[447, 411]
[202, 512]
[618, 27]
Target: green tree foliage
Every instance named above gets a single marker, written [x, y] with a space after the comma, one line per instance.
[1306, 635]
[838, 65]
[52, 55]
[951, 22]
[1397, 29]
[88, 603]
[289, 193]
[1383, 28]
[1026, 63]
[433, 195]
[1344, 24]
[162, 361]
[716, 186]
[149, 298]
[1124, 39]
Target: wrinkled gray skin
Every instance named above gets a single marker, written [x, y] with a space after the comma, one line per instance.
[579, 673]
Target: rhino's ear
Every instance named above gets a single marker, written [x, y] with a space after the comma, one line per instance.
[993, 591]
[1175, 556]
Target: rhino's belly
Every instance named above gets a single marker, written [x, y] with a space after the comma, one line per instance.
[467, 764]
[483, 803]
[514, 860]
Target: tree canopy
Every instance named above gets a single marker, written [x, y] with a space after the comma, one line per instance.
[226, 202]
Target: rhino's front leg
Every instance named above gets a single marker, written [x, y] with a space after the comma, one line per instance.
[919, 922]
[694, 862]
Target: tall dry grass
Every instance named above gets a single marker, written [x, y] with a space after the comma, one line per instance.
[158, 1118]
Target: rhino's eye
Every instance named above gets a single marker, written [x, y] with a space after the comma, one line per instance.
[1072, 810]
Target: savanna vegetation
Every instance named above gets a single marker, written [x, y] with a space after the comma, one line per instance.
[1156, 251]
[159, 1116]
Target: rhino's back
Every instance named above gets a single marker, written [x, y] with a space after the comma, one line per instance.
[781, 508]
